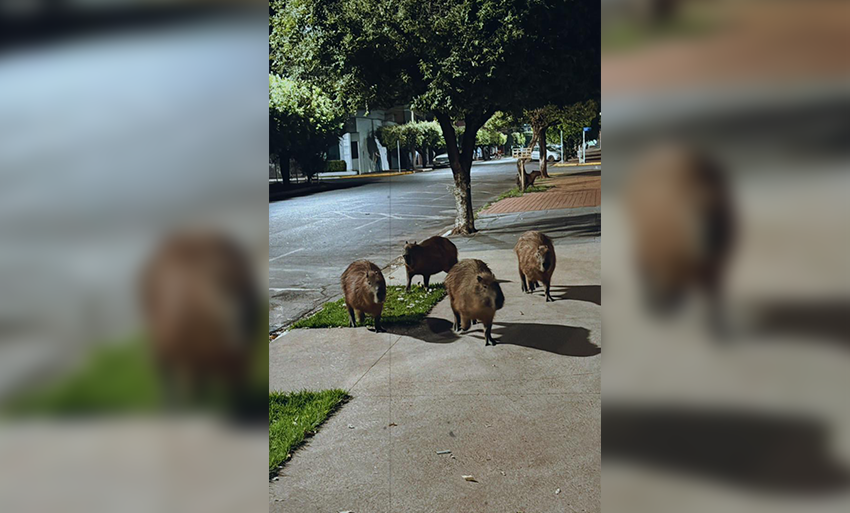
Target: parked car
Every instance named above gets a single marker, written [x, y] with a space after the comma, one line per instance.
[441, 160]
[551, 156]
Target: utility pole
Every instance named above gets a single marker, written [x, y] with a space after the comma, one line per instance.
[562, 146]
[398, 146]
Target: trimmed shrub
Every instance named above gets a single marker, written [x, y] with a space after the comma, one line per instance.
[335, 166]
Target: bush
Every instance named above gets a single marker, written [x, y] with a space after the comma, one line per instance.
[335, 166]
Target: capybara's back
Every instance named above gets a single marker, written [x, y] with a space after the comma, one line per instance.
[536, 257]
[202, 305]
[364, 290]
[681, 212]
[474, 294]
[529, 179]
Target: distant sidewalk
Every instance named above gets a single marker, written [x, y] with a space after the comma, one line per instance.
[567, 192]
[430, 406]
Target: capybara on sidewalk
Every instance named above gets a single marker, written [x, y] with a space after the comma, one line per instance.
[529, 179]
[434, 255]
[202, 306]
[681, 209]
[365, 290]
[474, 293]
[536, 256]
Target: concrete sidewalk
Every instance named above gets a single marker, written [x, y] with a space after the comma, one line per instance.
[522, 417]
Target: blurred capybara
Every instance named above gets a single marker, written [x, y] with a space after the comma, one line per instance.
[434, 255]
[536, 256]
[529, 179]
[474, 294]
[365, 290]
[681, 210]
[202, 307]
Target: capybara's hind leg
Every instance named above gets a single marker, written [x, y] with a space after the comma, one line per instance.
[548, 296]
[409, 279]
[464, 321]
[361, 317]
[522, 280]
[456, 325]
[351, 322]
[425, 279]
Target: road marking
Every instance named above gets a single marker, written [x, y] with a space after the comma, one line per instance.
[289, 289]
[285, 254]
[367, 224]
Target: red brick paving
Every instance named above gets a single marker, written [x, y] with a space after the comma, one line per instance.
[567, 192]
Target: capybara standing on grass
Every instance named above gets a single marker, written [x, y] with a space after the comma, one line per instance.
[203, 310]
[432, 256]
[536, 256]
[681, 210]
[474, 293]
[365, 290]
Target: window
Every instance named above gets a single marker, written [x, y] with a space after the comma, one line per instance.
[354, 153]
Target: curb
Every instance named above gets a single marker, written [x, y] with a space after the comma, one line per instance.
[595, 163]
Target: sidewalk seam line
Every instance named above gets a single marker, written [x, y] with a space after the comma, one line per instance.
[373, 365]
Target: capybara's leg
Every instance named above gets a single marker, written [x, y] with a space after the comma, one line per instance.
[456, 325]
[522, 280]
[351, 322]
[474, 322]
[361, 317]
[548, 297]
[378, 327]
[488, 337]
[464, 321]
[409, 278]
[425, 279]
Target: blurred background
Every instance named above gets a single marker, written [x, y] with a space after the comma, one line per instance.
[121, 125]
[727, 125]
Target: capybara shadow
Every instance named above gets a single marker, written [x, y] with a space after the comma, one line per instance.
[552, 338]
[765, 452]
[434, 331]
[588, 293]
[823, 319]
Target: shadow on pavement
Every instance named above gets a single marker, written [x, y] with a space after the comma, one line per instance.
[589, 293]
[553, 338]
[822, 319]
[770, 453]
[434, 331]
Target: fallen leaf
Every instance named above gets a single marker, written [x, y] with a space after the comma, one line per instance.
[393, 424]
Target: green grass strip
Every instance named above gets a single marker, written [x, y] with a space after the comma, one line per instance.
[513, 193]
[296, 415]
[400, 307]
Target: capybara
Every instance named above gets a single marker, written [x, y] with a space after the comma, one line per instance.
[365, 290]
[202, 307]
[536, 256]
[529, 179]
[434, 255]
[474, 294]
[681, 211]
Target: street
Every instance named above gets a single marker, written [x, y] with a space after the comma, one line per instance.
[313, 238]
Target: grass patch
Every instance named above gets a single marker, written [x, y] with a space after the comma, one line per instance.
[295, 416]
[400, 307]
[513, 193]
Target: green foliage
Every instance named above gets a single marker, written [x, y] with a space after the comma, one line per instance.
[335, 166]
[303, 122]
[296, 415]
[518, 138]
[572, 121]
[411, 136]
[400, 307]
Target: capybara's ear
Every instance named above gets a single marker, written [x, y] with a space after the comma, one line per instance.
[479, 279]
[406, 243]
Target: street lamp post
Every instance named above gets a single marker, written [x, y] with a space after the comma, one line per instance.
[562, 146]
[398, 147]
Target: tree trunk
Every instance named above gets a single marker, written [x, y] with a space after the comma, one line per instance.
[520, 169]
[543, 154]
[460, 160]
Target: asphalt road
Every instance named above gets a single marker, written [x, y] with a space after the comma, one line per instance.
[313, 238]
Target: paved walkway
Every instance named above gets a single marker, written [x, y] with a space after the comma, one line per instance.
[567, 192]
[522, 417]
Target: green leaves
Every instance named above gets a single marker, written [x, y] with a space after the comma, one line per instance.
[422, 134]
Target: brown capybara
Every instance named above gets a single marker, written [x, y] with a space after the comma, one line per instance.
[529, 179]
[680, 208]
[434, 255]
[202, 307]
[536, 256]
[474, 294]
[365, 290]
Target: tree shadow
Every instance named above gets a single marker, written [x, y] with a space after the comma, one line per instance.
[779, 454]
[552, 338]
[589, 293]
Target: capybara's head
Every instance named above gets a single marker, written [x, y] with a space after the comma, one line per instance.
[408, 252]
[489, 291]
[544, 258]
[377, 286]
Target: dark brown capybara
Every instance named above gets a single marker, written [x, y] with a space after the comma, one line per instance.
[431, 256]
[202, 307]
[529, 179]
[681, 211]
[474, 294]
[365, 290]
[536, 256]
